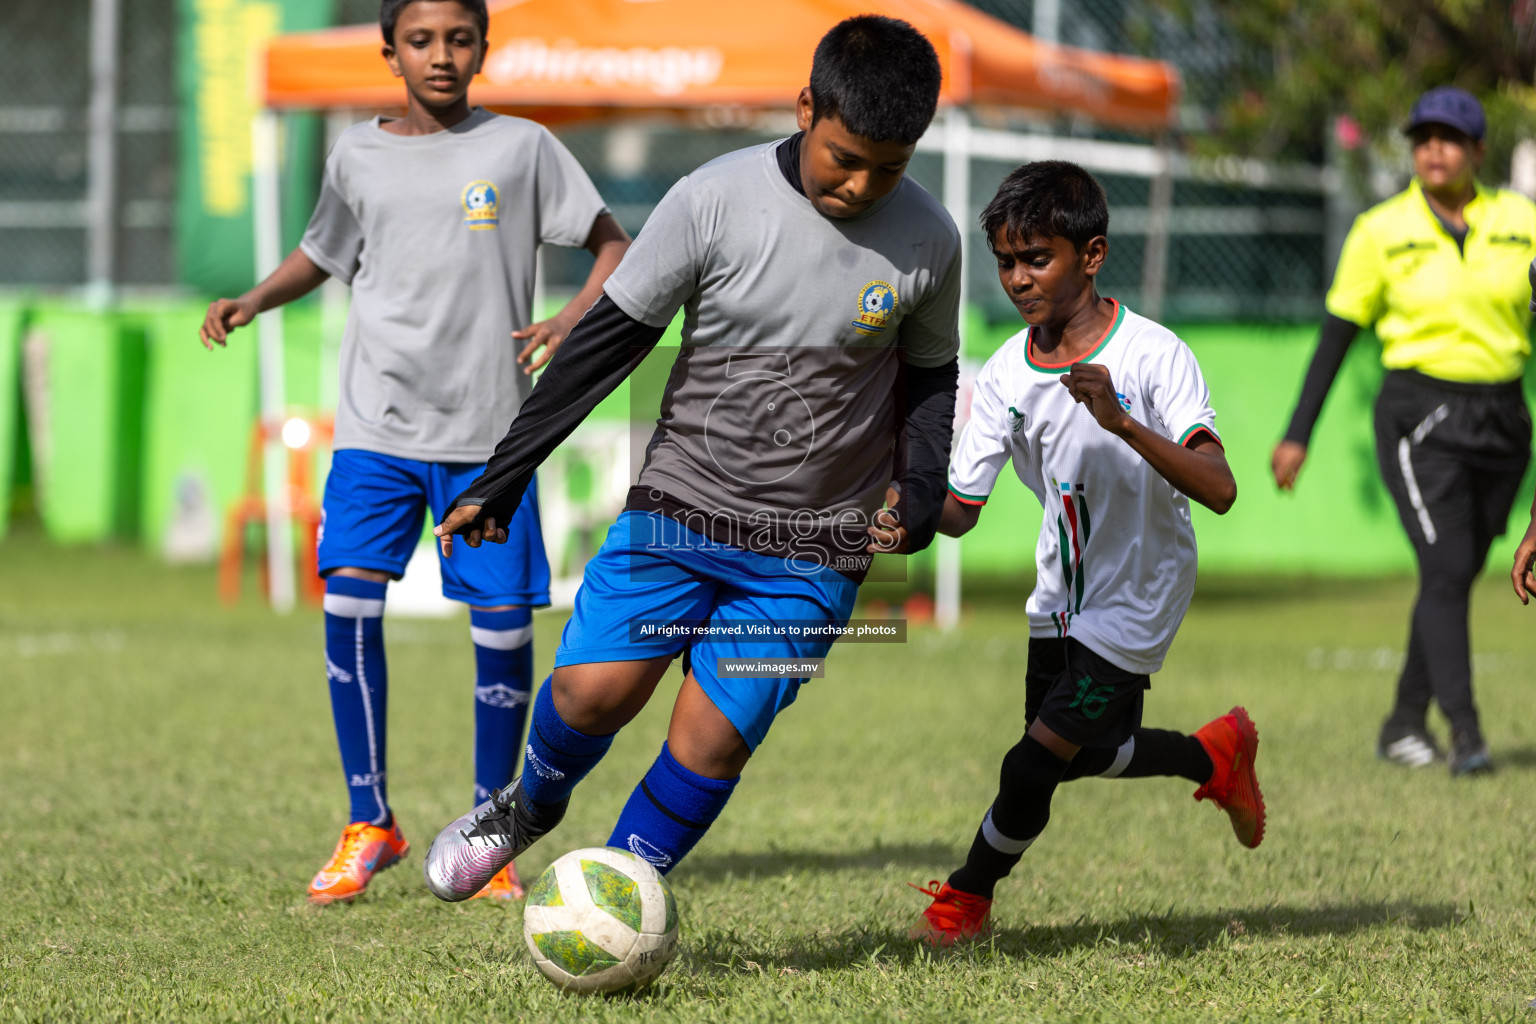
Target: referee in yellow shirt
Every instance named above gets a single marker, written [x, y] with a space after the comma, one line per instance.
[1439, 270]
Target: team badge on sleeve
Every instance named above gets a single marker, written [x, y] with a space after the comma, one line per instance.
[876, 304]
[479, 201]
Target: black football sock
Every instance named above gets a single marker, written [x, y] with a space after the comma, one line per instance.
[1165, 752]
[1019, 814]
[1147, 753]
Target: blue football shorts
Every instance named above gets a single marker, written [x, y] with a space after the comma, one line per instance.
[373, 515]
[652, 570]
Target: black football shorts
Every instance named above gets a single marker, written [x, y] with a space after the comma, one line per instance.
[1080, 696]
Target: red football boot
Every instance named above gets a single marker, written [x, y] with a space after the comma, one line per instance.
[1232, 743]
[953, 916]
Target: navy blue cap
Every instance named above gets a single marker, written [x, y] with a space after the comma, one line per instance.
[1451, 106]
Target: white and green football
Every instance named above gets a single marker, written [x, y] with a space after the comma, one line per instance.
[600, 920]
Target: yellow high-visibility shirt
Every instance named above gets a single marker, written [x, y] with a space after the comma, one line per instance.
[1462, 317]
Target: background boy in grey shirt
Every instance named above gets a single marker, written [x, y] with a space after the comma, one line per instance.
[820, 291]
[435, 220]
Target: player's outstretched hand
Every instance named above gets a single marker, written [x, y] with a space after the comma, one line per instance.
[887, 536]
[223, 316]
[1090, 384]
[463, 519]
[1286, 462]
[543, 340]
[1523, 574]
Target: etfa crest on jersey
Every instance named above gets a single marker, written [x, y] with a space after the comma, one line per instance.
[479, 200]
[876, 304]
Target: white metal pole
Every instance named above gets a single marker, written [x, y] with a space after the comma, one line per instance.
[1046, 24]
[957, 200]
[1154, 260]
[267, 221]
[101, 187]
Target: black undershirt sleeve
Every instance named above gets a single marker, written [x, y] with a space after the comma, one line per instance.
[922, 453]
[1332, 345]
[602, 349]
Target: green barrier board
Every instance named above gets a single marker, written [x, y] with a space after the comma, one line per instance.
[1339, 521]
[84, 398]
[199, 406]
[200, 411]
[109, 378]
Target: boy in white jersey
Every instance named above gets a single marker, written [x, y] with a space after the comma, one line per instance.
[1106, 418]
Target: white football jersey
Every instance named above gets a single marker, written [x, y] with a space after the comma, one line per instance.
[1116, 556]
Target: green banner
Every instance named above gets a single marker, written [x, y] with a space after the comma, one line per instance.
[219, 46]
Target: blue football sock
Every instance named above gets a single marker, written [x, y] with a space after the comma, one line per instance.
[354, 663]
[558, 756]
[503, 679]
[669, 812]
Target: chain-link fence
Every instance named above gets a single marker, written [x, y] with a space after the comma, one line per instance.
[44, 141]
[1235, 251]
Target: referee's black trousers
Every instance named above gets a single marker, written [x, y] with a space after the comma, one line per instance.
[1452, 455]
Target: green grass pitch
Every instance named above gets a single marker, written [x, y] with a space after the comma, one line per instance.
[169, 782]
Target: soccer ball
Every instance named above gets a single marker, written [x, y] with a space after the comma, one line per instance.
[600, 920]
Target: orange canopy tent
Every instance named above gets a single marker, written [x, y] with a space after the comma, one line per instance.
[669, 54]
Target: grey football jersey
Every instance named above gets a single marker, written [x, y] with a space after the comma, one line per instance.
[781, 400]
[437, 234]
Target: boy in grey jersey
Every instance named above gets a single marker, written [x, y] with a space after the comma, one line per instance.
[781, 399]
[434, 219]
[820, 298]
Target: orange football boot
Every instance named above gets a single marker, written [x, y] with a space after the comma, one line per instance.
[362, 852]
[502, 886]
[952, 917]
[1232, 743]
